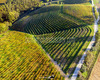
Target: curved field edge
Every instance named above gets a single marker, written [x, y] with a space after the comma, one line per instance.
[22, 58]
[76, 60]
[65, 11]
[69, 70]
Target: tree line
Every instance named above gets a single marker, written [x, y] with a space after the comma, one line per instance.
[11, 10]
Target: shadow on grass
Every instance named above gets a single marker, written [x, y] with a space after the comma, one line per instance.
[74, 1]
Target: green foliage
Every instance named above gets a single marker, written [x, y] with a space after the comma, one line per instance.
[96, 1]
[96, 13]
[10, 10]
[83, 69]
[85, 74]
[80, 11]
[12, 16]
[3, 28]
[97, 36]
[89, 59]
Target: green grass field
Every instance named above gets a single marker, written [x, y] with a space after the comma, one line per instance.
[96, 1]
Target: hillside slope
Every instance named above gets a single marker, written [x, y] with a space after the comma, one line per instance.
[95, 74]
[23, 59]
[61, 32]
[57, 17]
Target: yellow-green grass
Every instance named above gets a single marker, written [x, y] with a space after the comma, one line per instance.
[3, 28]
[83, 12]
[3, 1]
[22, 58]
[96, 1]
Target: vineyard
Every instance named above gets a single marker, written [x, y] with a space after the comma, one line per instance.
[22, 58]
[48, 16]
[62, 30]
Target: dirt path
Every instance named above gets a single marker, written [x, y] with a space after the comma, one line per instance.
[95, 74]
[58, 68]
[79, 65]
[55, 63]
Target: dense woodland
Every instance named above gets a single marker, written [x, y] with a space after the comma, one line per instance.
[11, 10]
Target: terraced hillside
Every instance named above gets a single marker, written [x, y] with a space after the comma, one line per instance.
[64, 46]
[56, 17]
[81, 12]
[22, 58]
[62, 31]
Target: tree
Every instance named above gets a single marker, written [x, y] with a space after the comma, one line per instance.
[3, 27]
[12, 16]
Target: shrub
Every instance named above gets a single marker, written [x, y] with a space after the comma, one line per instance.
[89, 59]
[12, 16]
[83, 69]
[3, 28]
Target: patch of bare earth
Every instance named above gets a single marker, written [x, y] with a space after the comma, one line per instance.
[95, 74]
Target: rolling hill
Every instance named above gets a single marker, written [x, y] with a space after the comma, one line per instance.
[22, 58]
[62, 30]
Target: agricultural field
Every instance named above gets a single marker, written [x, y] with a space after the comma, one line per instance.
[22, 58]
[95, 74]
[62, 30]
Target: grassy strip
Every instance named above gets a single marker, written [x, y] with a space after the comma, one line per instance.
[76, 60]
[89, 61]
